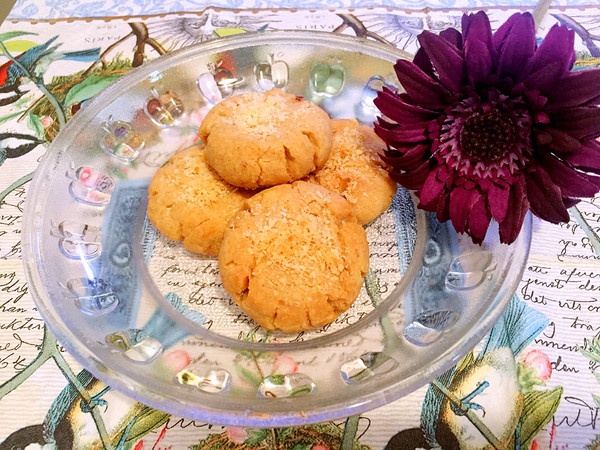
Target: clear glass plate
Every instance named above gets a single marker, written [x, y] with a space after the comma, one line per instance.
[153, 320]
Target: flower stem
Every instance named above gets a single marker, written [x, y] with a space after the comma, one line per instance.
[81, 389]
[476, 421]
[49, 350]
[255, 360]
[589, 232]
[391, 340]
[39, 82]
[46, 352]
[20, 182]
[349, 434]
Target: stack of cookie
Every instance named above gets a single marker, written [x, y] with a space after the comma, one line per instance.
[280, 193]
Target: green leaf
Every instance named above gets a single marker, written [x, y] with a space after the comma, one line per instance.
[284, 433]
[277, 379]
[21, 103]
[589, 355]
[538, 409]
[528, 378]
[34, 123]
[88, 88]
[247, 375]
[465, 362]
[7, 117]
[256, 436]
[596, 399]
[597, 376]
[349, 433]
[246, 354]
[148, 419]
[265, 355]
[13, 34]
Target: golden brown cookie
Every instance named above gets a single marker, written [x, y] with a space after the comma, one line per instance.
[265, 138]
[294, 257]
[189, 201]
[355, 170]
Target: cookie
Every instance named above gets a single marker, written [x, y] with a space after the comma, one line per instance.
[262, 139]
[355, 171]
[294, 257]
[189, 201]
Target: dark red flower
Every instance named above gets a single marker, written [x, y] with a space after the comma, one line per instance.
[493, 125]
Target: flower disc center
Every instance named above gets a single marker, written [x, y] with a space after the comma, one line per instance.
[487, 136]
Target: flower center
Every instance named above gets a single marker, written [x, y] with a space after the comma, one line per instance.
[487, 136]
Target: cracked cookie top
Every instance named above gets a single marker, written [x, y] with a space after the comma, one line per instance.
[188, 201]
[262, 139]
[294, 256]
[355, 170]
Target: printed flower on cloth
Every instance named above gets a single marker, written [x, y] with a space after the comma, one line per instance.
[493, 125]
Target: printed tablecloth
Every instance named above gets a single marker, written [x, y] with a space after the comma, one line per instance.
[537, 390]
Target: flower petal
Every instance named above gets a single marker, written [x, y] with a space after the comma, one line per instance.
[498, 201]
[571, 182]
[446, 59]
[561, 142]
[413, 179]
[517, 208]
[545, 79]
[409, 160]
[479, 220]
[576, 88]
[542, 137]
[423, 62]
[478, 61]
[570, 201]
[461, 202]
[555, 160]
[587, 157]
[442, 211]
[545, 197]
[477, 27]
[453, 36]
[401, 134]
[515, 44]
[431, 189]
[395, 108]
[557, 46]
[582, 122]
[422, 89]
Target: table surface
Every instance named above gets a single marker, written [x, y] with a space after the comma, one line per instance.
[560, 282]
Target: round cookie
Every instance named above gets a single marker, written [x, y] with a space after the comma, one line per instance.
[188, 201]
[262, 139]
[355, 170]
[294, 257]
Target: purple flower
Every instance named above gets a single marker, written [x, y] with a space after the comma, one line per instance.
[491, 125]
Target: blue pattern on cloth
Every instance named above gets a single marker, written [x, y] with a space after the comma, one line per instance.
[405, 224]
[117, 265]
[162, 327]
[55, 9]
